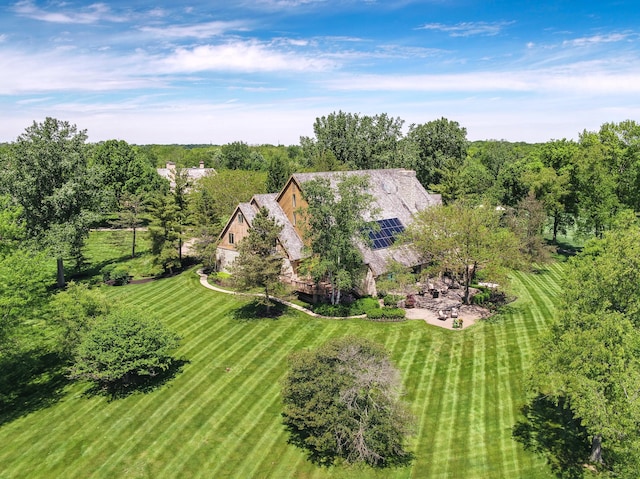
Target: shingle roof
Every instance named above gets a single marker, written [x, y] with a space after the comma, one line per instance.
[291, 242]
[398, 194]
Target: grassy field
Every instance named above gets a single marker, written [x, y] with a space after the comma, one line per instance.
[465, 387]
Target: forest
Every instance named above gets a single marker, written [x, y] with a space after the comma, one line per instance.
[572, 205]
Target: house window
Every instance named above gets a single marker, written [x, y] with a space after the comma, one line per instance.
[231, 238]
[295, 218]
[240, 218]
[293, 200]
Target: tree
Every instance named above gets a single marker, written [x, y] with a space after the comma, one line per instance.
[359, 142]
[123, 347]
[23, 286]
[332, 223]
[47, 175]
[228, 188]
[259, 263]
[236, 156]
[132, 205]
[73, 311]
[462, 239]
[342, 401]
[439, 142]
[591, 356]
[278, 172]
[164, 231]
[124, 170]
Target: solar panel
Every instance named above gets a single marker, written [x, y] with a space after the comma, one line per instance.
[384, 238]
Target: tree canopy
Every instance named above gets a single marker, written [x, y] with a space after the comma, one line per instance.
[462, 239]
[47, 174]
[333, 222]
[122, 347]
[342, 401]
[591, 356]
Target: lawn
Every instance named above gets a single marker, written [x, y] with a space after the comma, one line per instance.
[220, 417]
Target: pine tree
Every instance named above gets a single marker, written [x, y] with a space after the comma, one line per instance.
[259, 263]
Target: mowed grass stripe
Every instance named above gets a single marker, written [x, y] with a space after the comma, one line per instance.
[134, 435]
[176, 411]
[272, 369]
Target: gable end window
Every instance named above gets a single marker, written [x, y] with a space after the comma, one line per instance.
[231, 238]
[240, 218]
[293, 200]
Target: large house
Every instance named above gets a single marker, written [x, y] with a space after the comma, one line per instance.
[398, 196]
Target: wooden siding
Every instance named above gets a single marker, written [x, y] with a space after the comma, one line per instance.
[286, 201]
[238, 229]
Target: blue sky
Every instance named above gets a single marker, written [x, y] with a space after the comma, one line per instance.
[261, 71]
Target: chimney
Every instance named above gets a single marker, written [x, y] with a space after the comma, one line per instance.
[202, 164]
[171, 166]
[408, 188]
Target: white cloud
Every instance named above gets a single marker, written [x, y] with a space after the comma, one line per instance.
[3, 38]
[240, 56]
[91, 14]
[467, 29]
[595, 40]
[200, 30]
[582, 78]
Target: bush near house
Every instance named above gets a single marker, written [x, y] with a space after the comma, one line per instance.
[386, 314]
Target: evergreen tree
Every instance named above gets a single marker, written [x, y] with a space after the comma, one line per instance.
[259, 263]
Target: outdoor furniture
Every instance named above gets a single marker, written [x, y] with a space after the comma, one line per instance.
[442, 315]
[454, 312]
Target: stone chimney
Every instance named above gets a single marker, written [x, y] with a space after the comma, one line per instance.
[171, 166]
[407, 189]
[202, 164]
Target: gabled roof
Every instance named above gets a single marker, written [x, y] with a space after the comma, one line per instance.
[289, 239]
[397, 193]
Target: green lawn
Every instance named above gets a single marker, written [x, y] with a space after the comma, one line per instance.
[465, 387]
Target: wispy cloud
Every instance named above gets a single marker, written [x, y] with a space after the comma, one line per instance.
[581, 78]
[241, 56]
[200, 30]
[467, 29]
[91, 14]
[596, 40]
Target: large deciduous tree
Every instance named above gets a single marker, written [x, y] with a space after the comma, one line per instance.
[359, 142]
[336, 218]
[46, 173]
[591, 356]
[259, 263]
[342, 401]
[441, 144]
[462, 239]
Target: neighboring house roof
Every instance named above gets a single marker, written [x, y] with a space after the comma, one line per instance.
[193, 174]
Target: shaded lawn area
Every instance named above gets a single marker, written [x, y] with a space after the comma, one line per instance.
[105, 247]
[220, 416]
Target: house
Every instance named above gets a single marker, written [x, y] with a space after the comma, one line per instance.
[398, 196]
[193, 174]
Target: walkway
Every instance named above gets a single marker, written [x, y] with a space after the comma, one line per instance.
[468, 314]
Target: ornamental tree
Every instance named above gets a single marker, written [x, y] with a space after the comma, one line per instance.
[123, 347]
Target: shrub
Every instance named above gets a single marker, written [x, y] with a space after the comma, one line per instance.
[392, 299]
[386, 314]
[364, 305]
[120, 275]
[106, 272]
[334, 311]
